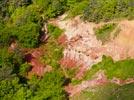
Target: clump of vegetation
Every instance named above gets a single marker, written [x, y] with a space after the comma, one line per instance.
[53, 53]
[23, 19]
[28, 35]
[51, 87]
[121, 69]
[77, 8]
[54, 31]
[109, 92]
[50, 8]
[106, 10]
[104, 33]
[21, 22]
[52, 48]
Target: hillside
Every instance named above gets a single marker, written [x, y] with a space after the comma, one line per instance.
[66, 49]
[83, 50]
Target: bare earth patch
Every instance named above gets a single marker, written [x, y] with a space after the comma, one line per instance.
[83, 49]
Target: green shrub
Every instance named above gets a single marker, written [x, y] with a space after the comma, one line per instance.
[53, 53]
[121, 69]
[26, 35]
[51, 87]
[4, 37]
[104, 33]
[106, 10]
[51, 8]
[23, 15]
[54, 31]
[24, 68]
[77, 8]
[109, 92]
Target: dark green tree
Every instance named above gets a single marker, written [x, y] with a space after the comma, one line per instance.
[51, 87]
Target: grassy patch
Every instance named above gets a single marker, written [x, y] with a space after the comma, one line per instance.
[103, 33]
[77, 8]
[106, 10]
[53, 53]
[54, 31]
[75, 81]
[71, 72]
[109, 92]
[121, 69]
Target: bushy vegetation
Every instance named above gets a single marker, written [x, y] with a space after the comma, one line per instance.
[51, 8]
[53, 53]
[20, 23]
[121, 69]
[15, 85]
[16, 15]
[106, 10]
[51, 87]
[23, 19]
[77, 7]
[54, 31]
[104, 32]
[109, 92]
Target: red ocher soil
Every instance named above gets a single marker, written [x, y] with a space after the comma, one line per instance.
[83, 49]
[62, 40]
[38, 68]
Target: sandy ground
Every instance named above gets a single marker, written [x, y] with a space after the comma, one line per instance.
[82, 45]
[83, 49]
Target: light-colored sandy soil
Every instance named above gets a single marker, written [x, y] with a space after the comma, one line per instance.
[83, 49]
[82, 45]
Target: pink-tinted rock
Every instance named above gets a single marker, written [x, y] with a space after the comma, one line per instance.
[38, 68]
[68, 63]
[62, 39]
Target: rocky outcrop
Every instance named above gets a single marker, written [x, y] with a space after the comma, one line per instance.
[83, 49]
[81, 43]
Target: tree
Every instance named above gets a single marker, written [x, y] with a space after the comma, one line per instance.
[51, 8]
[106, 10]
[51, 87]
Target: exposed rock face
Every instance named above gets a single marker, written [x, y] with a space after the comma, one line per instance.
[81, 44]
[85, 49]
